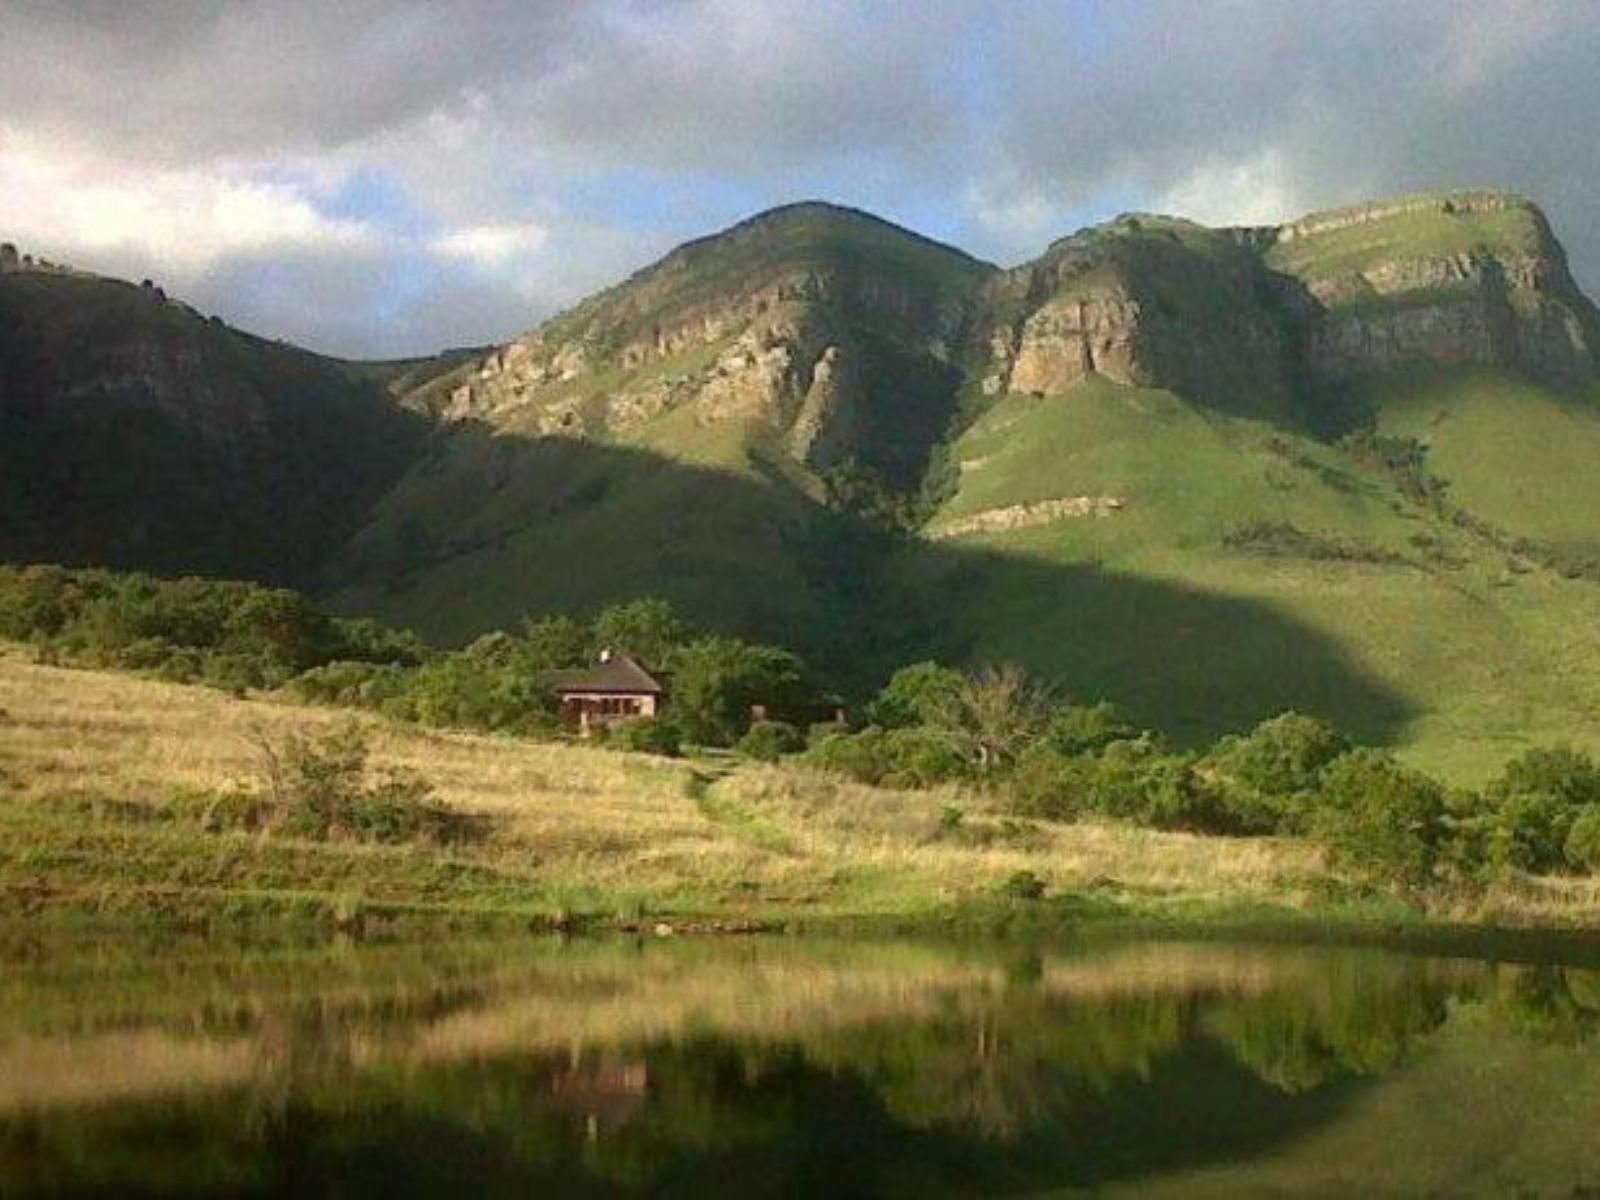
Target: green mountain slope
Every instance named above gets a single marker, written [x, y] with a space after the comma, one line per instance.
[1337, 465]
[1472, 649]
[1516, 453]
[677, 435]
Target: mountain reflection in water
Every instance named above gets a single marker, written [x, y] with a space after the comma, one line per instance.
[789, 1068]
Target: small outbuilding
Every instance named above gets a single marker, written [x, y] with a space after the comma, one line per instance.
[615, 688]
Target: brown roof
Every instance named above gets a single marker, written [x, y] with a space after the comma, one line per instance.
[619, 674]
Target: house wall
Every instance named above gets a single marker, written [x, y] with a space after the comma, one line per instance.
[602, 707]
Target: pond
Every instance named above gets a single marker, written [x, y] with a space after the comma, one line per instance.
[790, 1067]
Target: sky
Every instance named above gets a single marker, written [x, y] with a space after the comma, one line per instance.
[380, 178]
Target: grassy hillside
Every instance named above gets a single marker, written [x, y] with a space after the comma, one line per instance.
[1514, 229]
[1454, 649]
[98, 772]
[1516, 454]
[494, 527]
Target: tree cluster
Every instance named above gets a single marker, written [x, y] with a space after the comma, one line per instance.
[1292, 774]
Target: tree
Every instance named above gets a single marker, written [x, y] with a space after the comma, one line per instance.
[715, 680]
[1533, 803]
[995, 712]
[552, 642]
[916, 695]
[648, 629]
[1083, 729]
[1271, 774]
[1381, 818]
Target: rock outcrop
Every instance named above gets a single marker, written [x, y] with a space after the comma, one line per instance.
[1445, 280]
[775, 323]
[1024, 516]
[1147, 301]
[847, 339]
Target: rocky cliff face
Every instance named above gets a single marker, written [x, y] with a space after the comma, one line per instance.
[843, 338]
[775, 324]
[1253, 320]
[1148, 301]
[1465, 278]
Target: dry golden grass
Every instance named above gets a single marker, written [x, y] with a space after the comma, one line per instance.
[905, 832]
[632, 830]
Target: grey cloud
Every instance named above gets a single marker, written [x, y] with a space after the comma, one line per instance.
[490, 110]
[1355, 99]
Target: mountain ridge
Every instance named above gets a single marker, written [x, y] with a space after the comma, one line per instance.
[1209, 473]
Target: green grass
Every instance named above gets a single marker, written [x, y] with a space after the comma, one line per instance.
[1439, 647]
[1520, 455]
[1513, 231]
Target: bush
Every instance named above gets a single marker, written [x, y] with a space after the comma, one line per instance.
[1023, 885]
[1530, 809]
[1382, 819]
[648, 735]
[921, 694]
[317, 788]
[913, 757]
[768, 741]
[1583, 840]
[1086, 729]
[1270, 776]
[1133, 780]
[861, 756]
[921, 758]
[823, 729]
[1528, 832]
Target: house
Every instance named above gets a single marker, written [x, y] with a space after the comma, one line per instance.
[613, 689]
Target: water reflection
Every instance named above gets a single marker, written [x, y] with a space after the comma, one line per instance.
[770, 1068]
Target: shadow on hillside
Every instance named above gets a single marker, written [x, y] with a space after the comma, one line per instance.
[136, 434]
[491, 528]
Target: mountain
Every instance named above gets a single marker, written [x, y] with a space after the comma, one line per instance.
[1340, 464]
[134, 432]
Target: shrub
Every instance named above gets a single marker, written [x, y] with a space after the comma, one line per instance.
[1570, 776]
[913, 757]
[916, 695]
[1023, 885]
[768, 741]
[861, 756]
[648, 735]
[1085, 729]
[1269, 777]
[1583, 840]
[823, 729]
[921, 758]
[1528, 832]
[317, 788]
[1533, 804]
[1135, 780]
[1382, 819]
[351, 684]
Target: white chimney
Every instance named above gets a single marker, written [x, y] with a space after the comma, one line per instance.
[605, 655]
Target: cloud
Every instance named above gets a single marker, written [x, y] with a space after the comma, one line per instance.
[184, 218]
[386, 176]
[492, 246]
